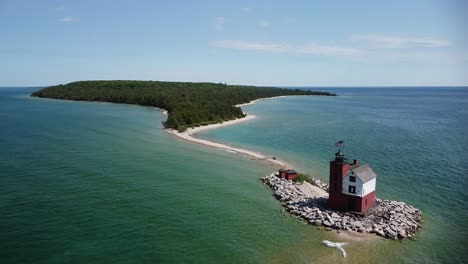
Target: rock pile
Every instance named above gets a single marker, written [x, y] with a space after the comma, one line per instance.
[389, 219]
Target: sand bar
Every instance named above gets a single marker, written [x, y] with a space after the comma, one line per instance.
[254, 101]
[190, 134]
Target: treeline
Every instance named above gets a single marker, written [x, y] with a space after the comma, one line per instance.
[188, 104]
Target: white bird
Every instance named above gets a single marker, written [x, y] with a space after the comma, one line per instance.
[335, 245]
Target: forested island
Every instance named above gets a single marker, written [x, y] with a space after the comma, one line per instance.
[188, 104]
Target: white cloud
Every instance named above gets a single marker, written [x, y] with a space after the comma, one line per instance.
[245, 45]
[219, 22]
[312, 49]
[264, 23]
[327, 50]
[247, 9]
[69, 20]
[391, 42]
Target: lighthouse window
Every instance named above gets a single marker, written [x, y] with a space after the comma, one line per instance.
[352, 189]
[352, 178]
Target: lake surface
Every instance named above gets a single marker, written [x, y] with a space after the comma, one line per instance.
[98, 182]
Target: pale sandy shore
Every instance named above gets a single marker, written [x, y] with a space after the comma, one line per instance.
[254, 101]
[312, 191]
[190, 134]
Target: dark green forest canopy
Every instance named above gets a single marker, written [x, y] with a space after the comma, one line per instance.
[188, 104]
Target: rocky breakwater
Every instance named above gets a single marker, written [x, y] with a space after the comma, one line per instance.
[389, 219]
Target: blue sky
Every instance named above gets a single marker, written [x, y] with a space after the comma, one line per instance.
[290, 43]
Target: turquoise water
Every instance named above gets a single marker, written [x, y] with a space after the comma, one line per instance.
[97, 182]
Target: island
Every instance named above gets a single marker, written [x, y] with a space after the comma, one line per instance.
[346, 203]
[193, 107]
[188, 104]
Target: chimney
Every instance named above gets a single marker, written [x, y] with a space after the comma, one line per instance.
[355, 162]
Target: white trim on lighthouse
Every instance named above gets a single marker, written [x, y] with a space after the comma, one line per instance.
[368, 187]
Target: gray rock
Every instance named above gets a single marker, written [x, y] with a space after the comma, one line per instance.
[402, 233]
[344, 222]
[390, 219]
[356, 224]
[390, 233]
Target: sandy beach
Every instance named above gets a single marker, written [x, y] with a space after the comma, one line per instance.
[190, 134]
[255, 101]
[312, 191]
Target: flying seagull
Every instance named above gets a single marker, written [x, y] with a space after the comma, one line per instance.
[335, 245]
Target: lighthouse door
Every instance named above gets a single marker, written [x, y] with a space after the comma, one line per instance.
[351, 206]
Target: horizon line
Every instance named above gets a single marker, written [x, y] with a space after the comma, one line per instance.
[279, 86]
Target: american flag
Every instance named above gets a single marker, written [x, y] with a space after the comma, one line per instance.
[339, 143]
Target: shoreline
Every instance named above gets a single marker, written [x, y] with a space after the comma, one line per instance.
[308, 202]
[190, 133]
[266, 98]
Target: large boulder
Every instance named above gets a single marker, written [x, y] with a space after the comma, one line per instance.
[356, 224]
[402, 233]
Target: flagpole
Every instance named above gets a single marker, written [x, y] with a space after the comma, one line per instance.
[340, 145]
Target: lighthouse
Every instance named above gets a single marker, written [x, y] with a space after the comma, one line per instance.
[351, 185]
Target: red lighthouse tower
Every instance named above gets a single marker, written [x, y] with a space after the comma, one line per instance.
[338, 168]
[351, 186]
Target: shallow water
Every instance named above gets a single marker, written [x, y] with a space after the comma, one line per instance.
[97, 182]
[413, 138]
